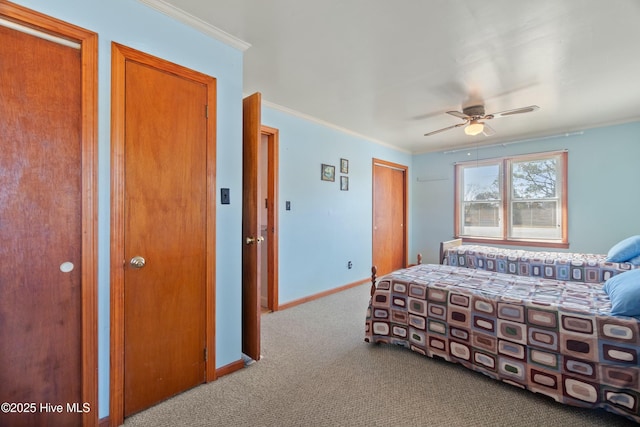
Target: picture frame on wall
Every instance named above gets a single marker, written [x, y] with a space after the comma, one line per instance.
[344, 166]
[344, 183]
[328, 173]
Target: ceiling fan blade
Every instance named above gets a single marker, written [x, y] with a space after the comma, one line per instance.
[460, 115]
[528, 109]
[488, 130]
[443, 129]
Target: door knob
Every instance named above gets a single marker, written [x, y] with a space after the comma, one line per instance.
[252, 240]
[137, 262]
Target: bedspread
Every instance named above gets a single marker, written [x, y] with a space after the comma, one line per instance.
[592, 268]
[548, 336]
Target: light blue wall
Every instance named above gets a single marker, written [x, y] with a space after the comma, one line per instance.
[325, 227]
[603, 178]
[132, 24]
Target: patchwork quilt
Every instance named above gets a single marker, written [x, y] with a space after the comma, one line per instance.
[590, 268]
[548, 336]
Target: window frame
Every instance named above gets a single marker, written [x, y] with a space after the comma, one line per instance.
[505, 183]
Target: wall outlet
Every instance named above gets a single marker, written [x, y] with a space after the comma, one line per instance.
[349, 265]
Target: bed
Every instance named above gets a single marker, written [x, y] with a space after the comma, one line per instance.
[566, 266]
[550, 336]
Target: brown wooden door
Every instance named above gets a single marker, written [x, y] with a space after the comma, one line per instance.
[389, 216]
[40, 228]
[251, 227]
[165, 223]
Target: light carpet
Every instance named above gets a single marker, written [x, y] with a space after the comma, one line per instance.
[316, 370]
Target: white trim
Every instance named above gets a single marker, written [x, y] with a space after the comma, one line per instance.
[329, 125]
[504, 144]
[197, 23]
[38, 33]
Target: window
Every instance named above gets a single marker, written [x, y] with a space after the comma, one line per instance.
[520, 200]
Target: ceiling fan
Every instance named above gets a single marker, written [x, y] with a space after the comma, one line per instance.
[473, 115]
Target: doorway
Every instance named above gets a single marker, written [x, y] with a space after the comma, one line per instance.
[389, 216]
[48, 217]
[260, 202]
[163, 230]
[269, 139]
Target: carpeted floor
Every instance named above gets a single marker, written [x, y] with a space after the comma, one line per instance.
[317, 371]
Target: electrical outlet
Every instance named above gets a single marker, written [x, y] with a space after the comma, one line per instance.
[287, 205]
[349, 265]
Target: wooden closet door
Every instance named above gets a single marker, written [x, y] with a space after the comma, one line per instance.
[40, 228]
[166, 224]
[389, 216]
[163, 209]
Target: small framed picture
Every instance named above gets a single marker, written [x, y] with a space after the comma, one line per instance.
[328, 173]
[344, 166]
[344, 183]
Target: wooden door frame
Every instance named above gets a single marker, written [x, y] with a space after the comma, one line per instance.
[405, 170]
[88, 42]
[119, 55]
[273, 136]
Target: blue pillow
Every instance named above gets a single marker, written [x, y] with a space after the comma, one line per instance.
[624, 292]
[635, 261]
[624, 250]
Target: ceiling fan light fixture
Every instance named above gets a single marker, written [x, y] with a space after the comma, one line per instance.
[474, 128]
[472, 116]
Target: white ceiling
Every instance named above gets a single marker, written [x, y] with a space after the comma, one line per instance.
[389, 70]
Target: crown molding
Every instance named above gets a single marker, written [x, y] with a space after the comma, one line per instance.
[307, 117]
[197, 23]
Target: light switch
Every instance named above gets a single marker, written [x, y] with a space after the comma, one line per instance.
[224, 196]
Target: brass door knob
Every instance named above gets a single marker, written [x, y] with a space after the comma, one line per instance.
[137, 262]
[252, 240]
